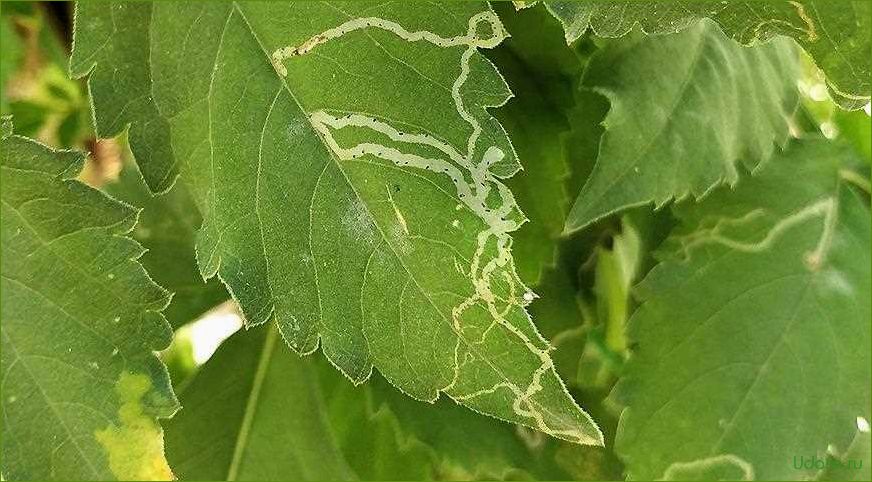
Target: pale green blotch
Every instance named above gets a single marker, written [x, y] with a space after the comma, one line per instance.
[135, 449]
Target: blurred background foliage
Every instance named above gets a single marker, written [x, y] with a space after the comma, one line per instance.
[585, 291]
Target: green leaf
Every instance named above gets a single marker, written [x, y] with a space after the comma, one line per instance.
[542, 73]
[81, 320]
[167, 229]
[349, 176]
[253, 413]
[685, 108]
[615, 272]
[258, 412]
[753, 339]
[854, 128]
[835, 34]
[853, 464]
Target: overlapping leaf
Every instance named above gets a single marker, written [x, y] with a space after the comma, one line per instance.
[685, 109]
[167, 229]
[542, 73]
[81, 320]
[350, 182]
[753, 339]
[835, 34]
[258, 412]
[253, 413]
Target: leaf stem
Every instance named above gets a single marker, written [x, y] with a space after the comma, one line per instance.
[251, 406]
[856, 179]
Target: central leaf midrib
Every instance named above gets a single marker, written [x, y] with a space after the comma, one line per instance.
[460, 336]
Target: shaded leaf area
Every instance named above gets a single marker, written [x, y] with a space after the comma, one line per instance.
[583, 309]
[853, 127]
[167, 229]
[366, 218]
[821, 114]
[850, 464]
[258, 412]
[542, 72]
[685, 109]
[760, 313]
[835, 34]
[571, 294]
[81, 320]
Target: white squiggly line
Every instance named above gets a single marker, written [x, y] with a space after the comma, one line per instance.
[473, 193]
[825, 208]
[697, 468]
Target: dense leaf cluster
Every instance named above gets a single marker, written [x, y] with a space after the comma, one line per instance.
[594, 240]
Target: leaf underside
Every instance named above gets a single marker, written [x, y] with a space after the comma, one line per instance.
[349, 177]
[835, 34]
[685, 109]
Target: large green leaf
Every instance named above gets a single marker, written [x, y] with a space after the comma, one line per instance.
[835, 34]
[349, 177]
[258, 412]
[753, 339]
[685, 109]
[81, 320]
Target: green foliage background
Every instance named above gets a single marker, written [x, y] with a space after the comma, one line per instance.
[695, 256]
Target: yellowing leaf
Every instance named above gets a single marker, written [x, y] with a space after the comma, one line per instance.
[136, 447]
